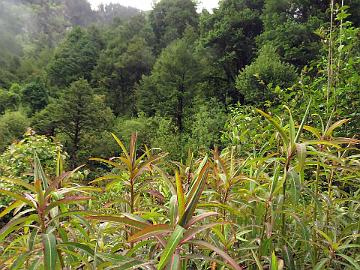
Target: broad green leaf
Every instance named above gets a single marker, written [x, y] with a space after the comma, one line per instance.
[171, 246]
[50, 252]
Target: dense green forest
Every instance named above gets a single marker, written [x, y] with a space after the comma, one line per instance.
[180, 139]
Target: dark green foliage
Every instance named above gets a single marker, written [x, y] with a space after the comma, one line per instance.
[171, 87]
[76, 57]
[169, 20]
[8, 100]
[35, 96]
[121, 65]
[258, 82]
[76, 117]
[229, 33]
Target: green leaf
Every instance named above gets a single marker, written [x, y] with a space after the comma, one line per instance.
[175, 262]
[50, 253]
[276, 125]
[351, 261]
[320, 265]
[150, 231]
[234, 265]
[19, 182]
[122, 146]
[119, 219]
[195, 194]
[39, 172]
[297, 138]
[11, 207]
[16, 197]
[334, 126]
[274, 262]
[83, 247]
[180, 195]
[289, 259]
[170, 247]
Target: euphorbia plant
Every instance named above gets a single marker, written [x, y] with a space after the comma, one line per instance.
[41, 214]
[180, 230]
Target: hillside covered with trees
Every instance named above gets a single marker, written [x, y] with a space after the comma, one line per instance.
[179, 139]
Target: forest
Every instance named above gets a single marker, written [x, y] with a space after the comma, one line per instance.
[178, 138]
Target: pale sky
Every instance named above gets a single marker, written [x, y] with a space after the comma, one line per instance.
[147, 4]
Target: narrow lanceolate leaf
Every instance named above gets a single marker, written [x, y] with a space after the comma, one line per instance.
[180, 195]
[122, 146]
[320, 265]
[16, 197]
[303, 122]
[11, 207]
[50, 253]
[195, 194]
[334, 126]
[170, 247]
[14, 224]
[351, 261]
[191, 233]
[174, 262]
[200, 218]
[274, 261]
[124, 220]
[301, 155]
[289, 259]
[18, 182]
[39, 172]
[230, 261]
[68, 200]
[276, 125]
[150, 231]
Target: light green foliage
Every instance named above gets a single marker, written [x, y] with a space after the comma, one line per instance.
[17, 160]
[205, 125]
[12, 126]
[247, 132]
[257, 82]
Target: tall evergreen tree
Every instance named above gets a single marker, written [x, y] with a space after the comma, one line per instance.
[76, 57]
[172, 85]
